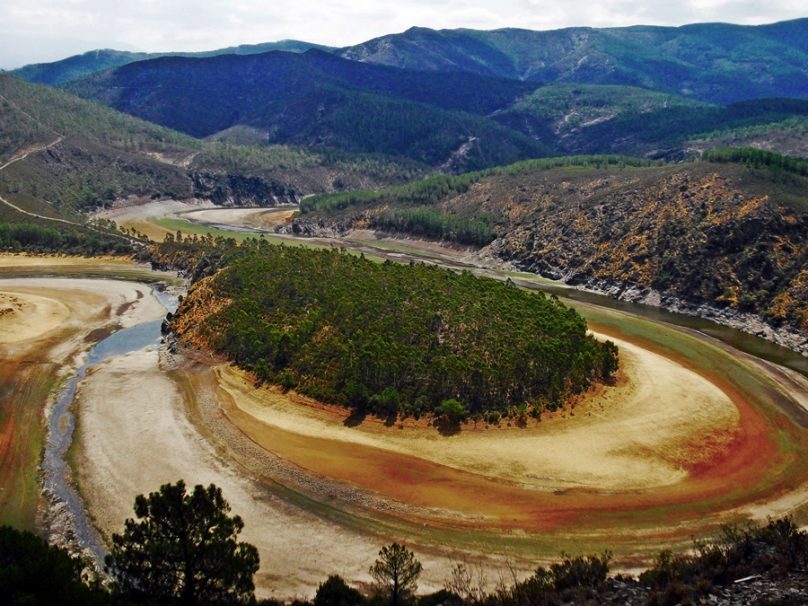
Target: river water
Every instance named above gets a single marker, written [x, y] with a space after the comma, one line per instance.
[62, 422]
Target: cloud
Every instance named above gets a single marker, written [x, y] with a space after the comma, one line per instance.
[43, 30]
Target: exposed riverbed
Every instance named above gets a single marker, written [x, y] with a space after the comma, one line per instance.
[147, 417]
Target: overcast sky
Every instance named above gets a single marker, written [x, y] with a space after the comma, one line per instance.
[46, 30]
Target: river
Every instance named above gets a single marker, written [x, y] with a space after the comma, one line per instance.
[62, 422]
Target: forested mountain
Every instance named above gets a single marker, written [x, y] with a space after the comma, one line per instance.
[316, 99]
[587, 119]
[730, 232]
[713, 62]
[62, 155]
[453, 121]
[77, 66]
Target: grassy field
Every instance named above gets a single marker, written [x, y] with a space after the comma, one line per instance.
[22, 435]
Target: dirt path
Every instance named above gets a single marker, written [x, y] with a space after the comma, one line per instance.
[22, 156]
[35, 149]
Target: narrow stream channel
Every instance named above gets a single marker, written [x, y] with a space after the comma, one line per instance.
[62, 422]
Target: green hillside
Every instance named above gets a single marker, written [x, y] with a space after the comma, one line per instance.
[731, 232]
[388, 338]
[321, 101]
[585, 119]
[86, 155]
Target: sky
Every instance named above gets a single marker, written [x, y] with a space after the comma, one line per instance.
[33, 31]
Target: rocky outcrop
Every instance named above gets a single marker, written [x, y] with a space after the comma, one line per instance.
[239, 190]
[784, 335]
[690, 243]
[723, 242]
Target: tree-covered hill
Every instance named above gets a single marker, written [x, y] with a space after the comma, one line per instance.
[729, 232]
[596, 119]
[389, 338]
[713, 62]
[455, 121]
[318, 100]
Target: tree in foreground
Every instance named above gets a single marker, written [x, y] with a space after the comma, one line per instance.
[336, 592]
[33, 572]
[183, 549]
[396, 572]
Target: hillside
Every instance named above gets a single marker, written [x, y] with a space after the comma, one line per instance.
[388, 338]
[318, 100]
[609, 119]
[712, 62]
[84, 155]
[726, 240]
[789, 136]
[65, 70]
[452, 121]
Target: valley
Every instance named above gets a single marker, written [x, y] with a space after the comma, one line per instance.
[508, 298]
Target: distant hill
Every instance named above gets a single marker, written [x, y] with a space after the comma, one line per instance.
[318, 100]
[712, 62]
[454, 121]
[71, 68]
[587, 119]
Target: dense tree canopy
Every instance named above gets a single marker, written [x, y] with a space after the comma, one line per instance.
[391, 338]
[33, 573]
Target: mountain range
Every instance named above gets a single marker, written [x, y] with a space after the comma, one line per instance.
[261, 128]
[459, 100]
[62, 155]
[71, 68]
[713, 62]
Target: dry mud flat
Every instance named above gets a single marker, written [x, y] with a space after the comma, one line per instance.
[45, 325]
[641, 462]
[620, 439]
[664, 454]
[144, 217]
[134, 434]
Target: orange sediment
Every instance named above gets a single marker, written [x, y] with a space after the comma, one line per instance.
[724, 467]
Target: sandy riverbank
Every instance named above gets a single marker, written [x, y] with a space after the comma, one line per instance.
[134, 435]
[666, 452]
[144, 217]
[259, 218]
[641, 432]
